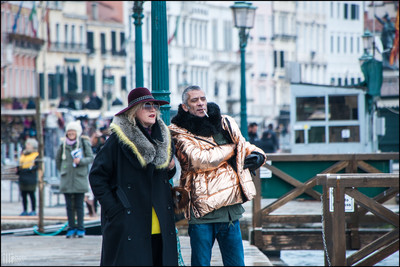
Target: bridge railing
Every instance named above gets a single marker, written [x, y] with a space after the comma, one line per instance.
[335, 187]
[268, 237]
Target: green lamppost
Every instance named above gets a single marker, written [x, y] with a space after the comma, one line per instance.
[243, 17]
[159, 56]
[138, 16]
[373, 79]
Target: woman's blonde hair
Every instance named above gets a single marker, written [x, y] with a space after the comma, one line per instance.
[131, 113]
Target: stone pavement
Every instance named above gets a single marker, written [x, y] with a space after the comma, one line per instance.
[60, 251]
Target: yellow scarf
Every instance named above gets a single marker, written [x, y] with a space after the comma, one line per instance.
[28, 161]
[155, 225]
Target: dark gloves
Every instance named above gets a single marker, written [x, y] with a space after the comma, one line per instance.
[253, 161]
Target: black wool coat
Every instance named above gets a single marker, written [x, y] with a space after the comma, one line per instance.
[129, 176]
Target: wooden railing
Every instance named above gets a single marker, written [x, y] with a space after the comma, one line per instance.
[335, 187]
[268, 238]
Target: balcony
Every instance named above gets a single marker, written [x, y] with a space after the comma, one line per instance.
[68, 47]
[284, 37]
[113, 53]
[25, 41]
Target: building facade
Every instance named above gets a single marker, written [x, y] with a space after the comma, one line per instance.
[83, 52]
[20, 47]
[202, 50]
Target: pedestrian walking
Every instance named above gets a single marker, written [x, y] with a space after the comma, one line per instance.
[266, 143]
[73, 158]
[215, 164]
[27, 172]
[252, 132]
[130, 178]
[269, 141]
[53, 124]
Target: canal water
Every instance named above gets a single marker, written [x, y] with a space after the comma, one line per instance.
[316, 258]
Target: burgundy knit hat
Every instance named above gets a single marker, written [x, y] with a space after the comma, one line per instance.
[140, 95]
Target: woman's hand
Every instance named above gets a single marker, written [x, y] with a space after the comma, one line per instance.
[77, 161]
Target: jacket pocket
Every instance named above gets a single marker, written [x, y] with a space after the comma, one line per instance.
[123, 198]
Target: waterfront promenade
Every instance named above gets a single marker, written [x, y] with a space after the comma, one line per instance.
[59, 251]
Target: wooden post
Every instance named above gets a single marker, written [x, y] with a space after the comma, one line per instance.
[334, 221]
[257, 216]
[39, 131]
[257, 200]
[39, 127]
[338, 226]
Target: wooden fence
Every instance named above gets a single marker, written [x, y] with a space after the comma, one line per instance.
[296, 237]
[335, 187]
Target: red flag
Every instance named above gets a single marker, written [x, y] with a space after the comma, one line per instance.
[395, 49]
[33, 19]
[175, 32]
[46, 18]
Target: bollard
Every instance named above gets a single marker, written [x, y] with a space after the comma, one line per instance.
[19, 151]
[3, 153]
[11, 152]
[47, 168]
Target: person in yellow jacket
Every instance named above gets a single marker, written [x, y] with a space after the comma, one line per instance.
[27, 171]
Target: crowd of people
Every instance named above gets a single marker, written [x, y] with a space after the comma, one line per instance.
[22, 132]
[17, 129]
[270, 138]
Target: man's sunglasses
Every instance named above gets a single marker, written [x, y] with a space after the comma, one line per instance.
[150, 106]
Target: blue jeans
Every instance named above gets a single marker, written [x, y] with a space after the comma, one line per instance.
[229, 237]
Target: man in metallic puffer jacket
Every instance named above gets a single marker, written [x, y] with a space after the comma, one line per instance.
[216, 161]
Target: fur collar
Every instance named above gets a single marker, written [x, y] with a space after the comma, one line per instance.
[157, 152]
[202, 126]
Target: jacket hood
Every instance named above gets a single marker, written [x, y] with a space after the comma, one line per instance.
[157, 152]
[203, 126]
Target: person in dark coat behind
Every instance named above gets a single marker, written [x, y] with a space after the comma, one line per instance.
[130, 178]
[252, 133]
[267, 142]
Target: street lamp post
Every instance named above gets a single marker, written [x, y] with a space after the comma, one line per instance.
[373, 78]
[159, 56]
[243, 17]
[138, 16]
[368, 42]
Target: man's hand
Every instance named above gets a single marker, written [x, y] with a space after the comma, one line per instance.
[253, 161]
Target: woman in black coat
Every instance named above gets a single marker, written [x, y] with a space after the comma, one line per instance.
[130, 178]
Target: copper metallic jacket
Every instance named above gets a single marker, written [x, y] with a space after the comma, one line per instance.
[205, 173]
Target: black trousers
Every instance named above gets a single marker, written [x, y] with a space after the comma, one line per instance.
[24, 195]
[156, 242]
[74, 205]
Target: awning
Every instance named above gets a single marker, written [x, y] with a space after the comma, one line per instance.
[388, 103]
